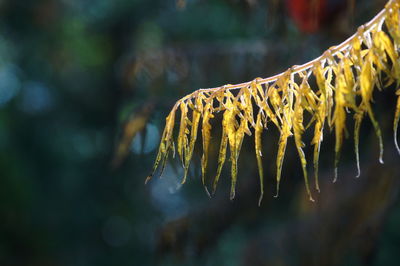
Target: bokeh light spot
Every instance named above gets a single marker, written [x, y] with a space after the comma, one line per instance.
[9, 83]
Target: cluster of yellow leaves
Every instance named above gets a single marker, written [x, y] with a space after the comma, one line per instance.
[346, 77]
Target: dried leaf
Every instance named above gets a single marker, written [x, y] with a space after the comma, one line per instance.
[193, 136]
[183, 131]
[298, 130]
[258, 145]
[165, 144]
[396, 120]
[206, 136]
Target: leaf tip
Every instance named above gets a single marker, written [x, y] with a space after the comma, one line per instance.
[147, 179]
[260, 199]
[207, 191]
[335, 176]
[232, 195]
[395, 142]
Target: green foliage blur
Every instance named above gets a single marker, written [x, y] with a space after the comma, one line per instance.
[73, 73]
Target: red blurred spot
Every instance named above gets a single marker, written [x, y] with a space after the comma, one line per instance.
[307, 14]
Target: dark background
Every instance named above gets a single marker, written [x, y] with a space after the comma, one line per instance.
[77, 79]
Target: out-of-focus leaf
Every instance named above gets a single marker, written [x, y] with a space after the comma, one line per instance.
[134, 124]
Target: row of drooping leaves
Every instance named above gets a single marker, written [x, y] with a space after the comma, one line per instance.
[346, 77]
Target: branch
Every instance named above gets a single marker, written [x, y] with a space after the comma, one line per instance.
[346, 77]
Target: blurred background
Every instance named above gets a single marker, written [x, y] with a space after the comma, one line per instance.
[85, 87]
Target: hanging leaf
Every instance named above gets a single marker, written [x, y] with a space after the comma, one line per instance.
[346, 77]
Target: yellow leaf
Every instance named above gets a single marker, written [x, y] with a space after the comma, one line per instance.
[258, 145]
[206, 136]
[280, 156]
[193, 136]
[358, 119]
[298, 130]
[221, 157]
[183, 131]
[367, 82]
[396, 120]
[165, 144]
